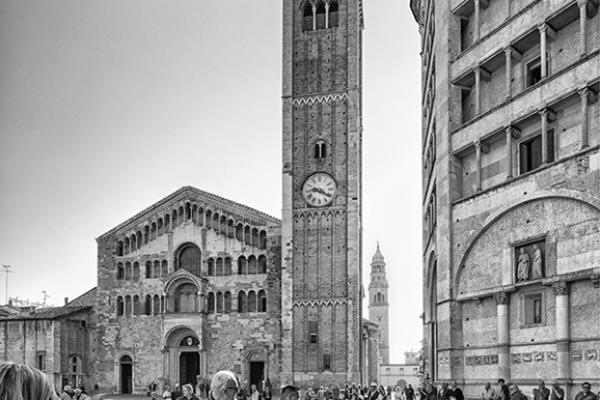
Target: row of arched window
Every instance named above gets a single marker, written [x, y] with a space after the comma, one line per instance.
[135, 305]
[251, 302]
[322, 15]
[131, 271]
[191, 212]
[245, 266]
[187, 301]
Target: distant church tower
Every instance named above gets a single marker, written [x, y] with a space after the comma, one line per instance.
[378, 303]
[321, 213]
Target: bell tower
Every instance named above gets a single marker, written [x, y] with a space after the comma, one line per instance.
[321, 215]
[378, 303]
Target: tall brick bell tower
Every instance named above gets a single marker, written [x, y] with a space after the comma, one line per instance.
[321, 227]
[378, 304]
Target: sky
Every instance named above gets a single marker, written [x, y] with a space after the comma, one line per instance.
[107, 106]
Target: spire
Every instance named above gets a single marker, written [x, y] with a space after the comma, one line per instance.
[378, 257]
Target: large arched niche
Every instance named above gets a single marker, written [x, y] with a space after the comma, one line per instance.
[565, 222]
[189, 257]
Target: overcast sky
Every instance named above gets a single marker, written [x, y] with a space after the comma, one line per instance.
[107, 106]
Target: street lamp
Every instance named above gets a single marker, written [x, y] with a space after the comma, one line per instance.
[7, 270]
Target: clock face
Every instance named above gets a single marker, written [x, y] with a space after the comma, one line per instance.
[319, 189]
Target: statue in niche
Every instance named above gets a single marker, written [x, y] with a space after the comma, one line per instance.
[523, 266]
[537, 266]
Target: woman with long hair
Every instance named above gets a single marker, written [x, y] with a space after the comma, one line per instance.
[20, 382]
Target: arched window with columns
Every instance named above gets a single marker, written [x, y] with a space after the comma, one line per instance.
[211, 266]
[128, 307]
[252, 269]
[120, 306]
[148, 269]
[156, 269]
[227, 302]
[146, 234]
[262, 264]
[165, 268]
[239, 232]
[219, 267]
[307, 17]
[136, 305]
[320, 15]
[227, 269]
[128, 271]
[136, 271]
[148, 305]
[160, 226]
[219, 302]
[242, 266]
[242, 302]
[189, 257]
[333, 14]
[119, 248]
[156, 304]
[263, 240]
[211, 303]
[262, 301]
[120, 271]
[251, 301]
[153, 231]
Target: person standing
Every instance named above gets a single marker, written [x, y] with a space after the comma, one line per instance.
[515, 393]
[557, 392]
[409, 392]
[188, 393]
[586, 392]
[224, 386]
[444, 393]
[543, 391]
[254, 393]
[488, 392]
[456, 392]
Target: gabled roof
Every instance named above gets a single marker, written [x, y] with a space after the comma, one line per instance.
[200, 196]
[45, 313]
[84, 300]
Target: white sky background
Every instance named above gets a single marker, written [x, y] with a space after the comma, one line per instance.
[107, 106]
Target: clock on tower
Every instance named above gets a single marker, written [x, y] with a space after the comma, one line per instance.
[321, 222]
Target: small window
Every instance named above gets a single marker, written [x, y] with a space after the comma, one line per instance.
[320, 150]
[533, 71]
[530, 152]
[41, 360]
[326, 362]
[533, 309]
[313, 332]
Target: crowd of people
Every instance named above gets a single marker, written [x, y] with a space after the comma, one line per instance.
[20, 382]
[504, 391]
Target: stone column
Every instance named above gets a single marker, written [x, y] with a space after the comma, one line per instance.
[314, 10]
[543, 53]
[508, 57]
[503, 327]
[509, 152]
[477, 6]
[561, 291]
[326, 15]
[544, 116]
[582, 26]
[478, 162]
[507, 6]
[477, 91]
[583, 93]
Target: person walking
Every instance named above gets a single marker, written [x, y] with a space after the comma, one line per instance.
[409, 392]
[543, 391]
[557, 392]
[444, 392]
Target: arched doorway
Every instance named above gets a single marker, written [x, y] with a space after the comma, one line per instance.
[126, 374]
[186, 360]
[257, 368]
[189, 360]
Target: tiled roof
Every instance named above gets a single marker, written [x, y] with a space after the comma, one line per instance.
[45, 313]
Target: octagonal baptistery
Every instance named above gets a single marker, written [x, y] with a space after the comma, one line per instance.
[187, 287]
